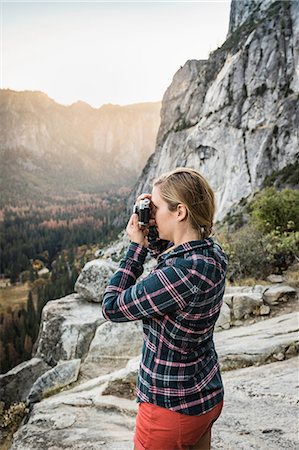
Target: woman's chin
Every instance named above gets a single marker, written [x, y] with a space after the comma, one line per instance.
[161, 236]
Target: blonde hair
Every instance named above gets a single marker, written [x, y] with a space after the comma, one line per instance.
[187, 186]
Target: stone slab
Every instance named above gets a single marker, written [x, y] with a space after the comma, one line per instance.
[260, 410]
[257, 343]
[259, 413]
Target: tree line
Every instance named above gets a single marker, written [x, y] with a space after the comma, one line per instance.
[27, 232]
[52, 234]
[19, 328]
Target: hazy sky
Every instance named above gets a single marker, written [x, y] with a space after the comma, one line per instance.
[105, 52]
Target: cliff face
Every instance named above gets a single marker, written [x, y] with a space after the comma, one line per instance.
[52, 148]
[235, 117]
[241, 10]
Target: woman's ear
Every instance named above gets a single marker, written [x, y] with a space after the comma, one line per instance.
[182, 212]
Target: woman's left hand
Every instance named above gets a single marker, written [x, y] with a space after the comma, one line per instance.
[135, 233]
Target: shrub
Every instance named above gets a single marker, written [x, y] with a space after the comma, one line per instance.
[247, 255]
[254, 254]
[273, 210]
[269, 243]
[281, 249]
[12, 416]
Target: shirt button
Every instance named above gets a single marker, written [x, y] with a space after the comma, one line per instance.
[139, 291]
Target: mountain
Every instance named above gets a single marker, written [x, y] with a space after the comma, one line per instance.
[51, 149]
[234, 117]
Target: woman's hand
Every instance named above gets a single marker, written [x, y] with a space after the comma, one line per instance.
[143, 196]
[135, 233]
[152, 221]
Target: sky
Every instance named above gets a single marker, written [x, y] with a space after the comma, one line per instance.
[105, 52]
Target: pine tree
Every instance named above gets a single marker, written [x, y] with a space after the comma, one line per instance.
[32, 276]
[7, 328]
[14, 274]
[31, 318]
[12, 355]
[39, 305]
[19, 347]
[3, 358]
[27, 346]
[71, 256]
[23, 316]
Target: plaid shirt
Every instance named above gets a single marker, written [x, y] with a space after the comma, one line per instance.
[178, 303]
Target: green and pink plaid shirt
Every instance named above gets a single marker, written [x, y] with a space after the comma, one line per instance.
[178, 303]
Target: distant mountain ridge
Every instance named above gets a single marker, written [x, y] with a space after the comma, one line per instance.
[51, 149]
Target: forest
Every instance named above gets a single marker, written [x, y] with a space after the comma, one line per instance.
[44, 246]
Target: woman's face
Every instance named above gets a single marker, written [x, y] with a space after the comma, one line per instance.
[165, 219]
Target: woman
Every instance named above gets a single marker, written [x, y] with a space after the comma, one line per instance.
[179, 389]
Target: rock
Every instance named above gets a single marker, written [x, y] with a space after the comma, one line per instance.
[113, 345]
[224, 319]
[95, 427]
[278, 356]
[65, 373]
[67, 328]
[256, 289]
[67, 419]
[245, 304]
[63, 421]
[293, 350]
[264, 310]
[275, 278]
[269, 389]
[257, 343]
[123, 383]
[279, 293]
[16, 384]
[94, 278]
[241, 11]
[228, 299]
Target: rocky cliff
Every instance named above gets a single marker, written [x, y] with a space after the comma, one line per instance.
[49, 148]
[241, 10]
[235, 116]
[81, 379]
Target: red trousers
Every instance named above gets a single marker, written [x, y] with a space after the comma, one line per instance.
[162, 429]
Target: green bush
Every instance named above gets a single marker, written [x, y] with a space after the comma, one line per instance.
[252, 254]
[276, 210]
[269, 242]
[281, 248]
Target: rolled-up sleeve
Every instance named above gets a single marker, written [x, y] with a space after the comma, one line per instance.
[162, 291]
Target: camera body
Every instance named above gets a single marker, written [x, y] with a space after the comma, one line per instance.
[142, 208]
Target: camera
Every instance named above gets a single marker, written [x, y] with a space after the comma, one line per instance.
[142, 208]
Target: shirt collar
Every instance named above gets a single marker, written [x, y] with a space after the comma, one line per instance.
[190, 246]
